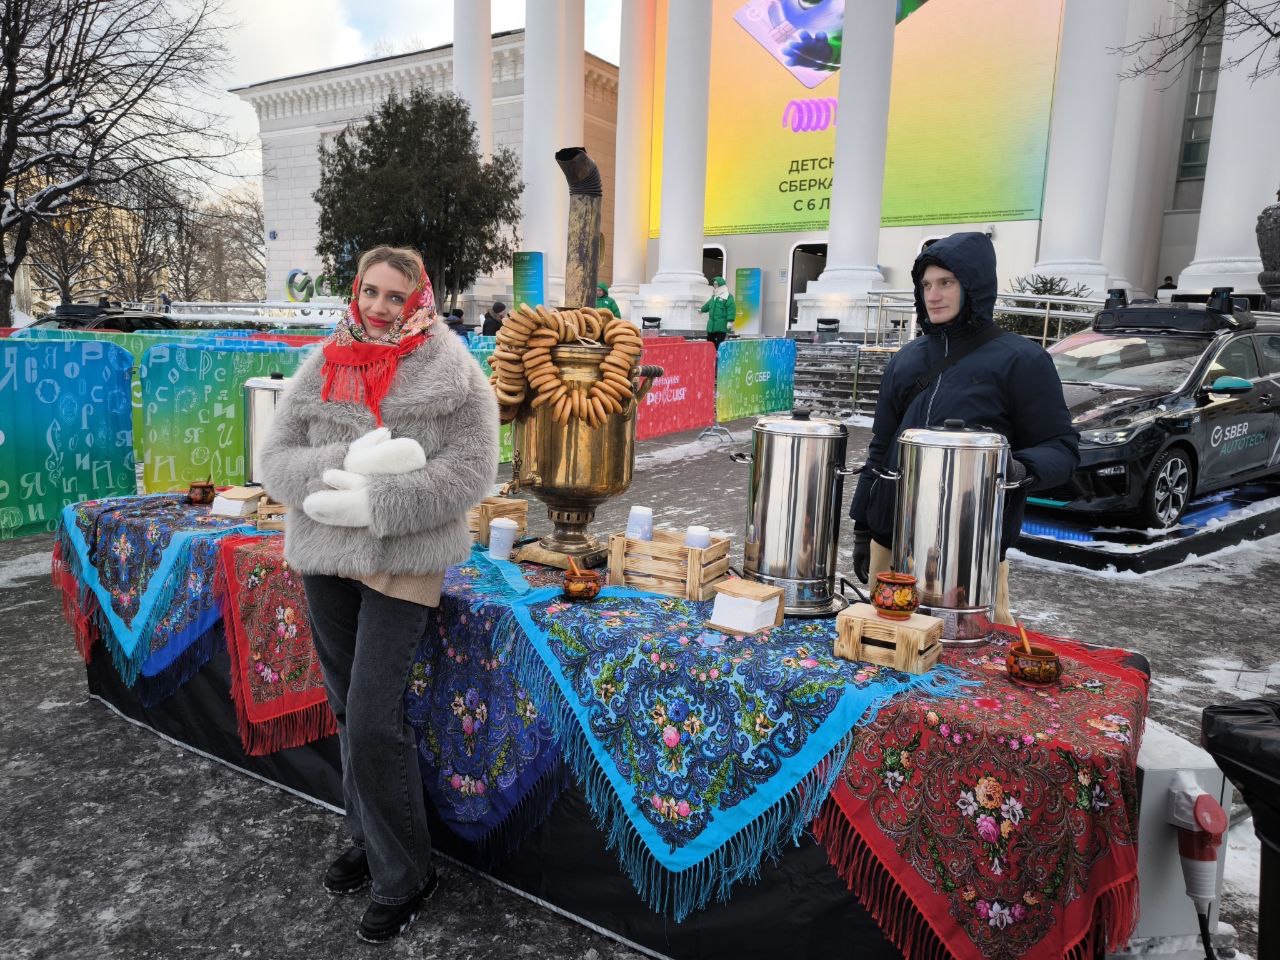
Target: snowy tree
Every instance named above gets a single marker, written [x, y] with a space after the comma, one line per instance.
[94, 93]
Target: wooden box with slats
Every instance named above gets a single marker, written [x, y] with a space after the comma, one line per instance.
[483, 513]
[665, 565]
[912, 645]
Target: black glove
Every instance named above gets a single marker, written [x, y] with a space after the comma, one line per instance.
[1017, 470]
[862, 554]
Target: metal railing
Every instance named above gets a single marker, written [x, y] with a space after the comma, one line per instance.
[893, 315]
[310, 313]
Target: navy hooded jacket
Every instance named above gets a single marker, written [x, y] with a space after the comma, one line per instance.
[1008, 385]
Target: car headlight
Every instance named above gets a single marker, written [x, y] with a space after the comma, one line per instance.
[1108, 436]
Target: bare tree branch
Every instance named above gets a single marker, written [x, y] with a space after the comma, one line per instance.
[98, 93]
[1168, 47]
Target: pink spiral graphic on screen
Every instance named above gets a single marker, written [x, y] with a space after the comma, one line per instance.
[806, 116]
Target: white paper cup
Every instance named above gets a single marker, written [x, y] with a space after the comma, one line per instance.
[697, 536]
[640, 523]
[502, 537]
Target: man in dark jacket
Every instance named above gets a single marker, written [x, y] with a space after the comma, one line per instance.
[454, 322]
[493, 319]
[1004, 383]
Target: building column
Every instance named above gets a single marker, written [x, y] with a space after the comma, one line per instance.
[678, 287]
[862, 129]
[573, 76]
[545, 202]
[1135, 199]
[1081, 130]
[631, 158]
[1240, 178]
[473, 65]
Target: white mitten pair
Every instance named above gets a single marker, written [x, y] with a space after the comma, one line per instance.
[347, 504]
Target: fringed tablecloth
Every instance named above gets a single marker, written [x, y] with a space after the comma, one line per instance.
[490, 762]
[277, 685]
[1002, 824]
[699, 753]
[137, 572]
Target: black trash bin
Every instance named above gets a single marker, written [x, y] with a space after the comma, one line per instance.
[650, 323]
[1244, 740]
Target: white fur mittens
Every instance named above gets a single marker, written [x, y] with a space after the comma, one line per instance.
[376, 452]
[345, 506]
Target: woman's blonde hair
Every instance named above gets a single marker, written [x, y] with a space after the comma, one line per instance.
[403, 260]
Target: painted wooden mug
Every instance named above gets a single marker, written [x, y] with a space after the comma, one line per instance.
[894, 595]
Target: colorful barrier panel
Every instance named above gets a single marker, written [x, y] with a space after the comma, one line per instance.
[754, 377]
[138, 344]
[65, 431]
[684, 397]
[482, 353]
[193, 409]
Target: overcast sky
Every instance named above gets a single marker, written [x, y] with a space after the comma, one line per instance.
[276, 38]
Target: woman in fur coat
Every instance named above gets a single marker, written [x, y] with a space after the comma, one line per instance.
[385, 438]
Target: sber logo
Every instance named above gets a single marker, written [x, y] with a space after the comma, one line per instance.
[758, 376]
[1235, 430]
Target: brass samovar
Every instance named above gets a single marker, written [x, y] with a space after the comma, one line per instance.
[574, 468]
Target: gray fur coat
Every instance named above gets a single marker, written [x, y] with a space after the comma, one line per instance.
[440, 398]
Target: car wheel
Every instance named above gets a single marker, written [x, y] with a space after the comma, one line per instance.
[1168, 488]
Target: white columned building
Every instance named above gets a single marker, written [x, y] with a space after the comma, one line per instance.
[1081, 131]
[678, 287]
[853, 238]
[635, 135]
[473, 65]
[297, 115]
[1241, 176]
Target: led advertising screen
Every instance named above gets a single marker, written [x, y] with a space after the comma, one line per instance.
[968, 117]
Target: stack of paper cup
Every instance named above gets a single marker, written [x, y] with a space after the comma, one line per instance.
[502, 537]
[640, 523]
[697, 536]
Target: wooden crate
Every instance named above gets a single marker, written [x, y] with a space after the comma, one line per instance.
[482, 514]
[665, 565]
[270, 515]
[912, 645]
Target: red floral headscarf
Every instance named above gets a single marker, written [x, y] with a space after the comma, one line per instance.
[359, 369]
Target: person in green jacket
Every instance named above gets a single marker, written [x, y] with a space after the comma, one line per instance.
[720, 310]
[606, 302]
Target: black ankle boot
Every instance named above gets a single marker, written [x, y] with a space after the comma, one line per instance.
[383, 922]
[349, 873]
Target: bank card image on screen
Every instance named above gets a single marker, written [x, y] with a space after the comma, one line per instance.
[802, 35]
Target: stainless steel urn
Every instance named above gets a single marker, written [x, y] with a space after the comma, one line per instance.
[794, 509]
[261, 394]
[946, 529]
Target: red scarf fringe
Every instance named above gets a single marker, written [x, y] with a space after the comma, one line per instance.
[364, 372]
[907, 928]
[298, 719]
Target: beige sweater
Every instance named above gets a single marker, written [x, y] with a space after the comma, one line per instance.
[420, 588]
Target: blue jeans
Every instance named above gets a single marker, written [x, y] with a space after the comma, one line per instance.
[366, 642]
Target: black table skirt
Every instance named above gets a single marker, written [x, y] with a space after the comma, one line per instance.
[798, 909]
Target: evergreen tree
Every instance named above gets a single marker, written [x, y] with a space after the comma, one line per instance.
[412, 176]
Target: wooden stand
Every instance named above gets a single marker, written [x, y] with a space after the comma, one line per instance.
[482, 514]
[535, 552]
[665, 565]
[912, 645]
[270, 515]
